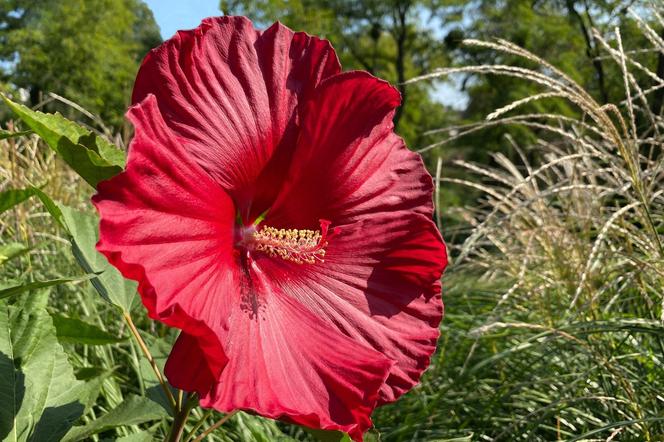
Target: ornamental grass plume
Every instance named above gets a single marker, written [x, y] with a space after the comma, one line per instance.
[269, 211]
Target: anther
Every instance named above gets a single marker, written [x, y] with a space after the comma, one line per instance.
[296, 245]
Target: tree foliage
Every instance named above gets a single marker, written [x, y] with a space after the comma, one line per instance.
[401, 39]
[560, 31]
[85, 50]
[392, 39]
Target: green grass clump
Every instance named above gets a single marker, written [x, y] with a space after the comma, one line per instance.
[555, 322]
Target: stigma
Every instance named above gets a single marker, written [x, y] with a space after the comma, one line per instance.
[300, 246]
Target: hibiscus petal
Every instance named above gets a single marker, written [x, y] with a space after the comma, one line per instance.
[285, 363]
[188, 366]
[168, 225]
[348, 161]
[230, 92]
[379, 283]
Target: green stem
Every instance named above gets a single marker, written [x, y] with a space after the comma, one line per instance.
[175, 435]
[148, 356]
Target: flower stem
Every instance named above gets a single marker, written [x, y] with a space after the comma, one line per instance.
[181, 420]
[216, 425]
[148, 356]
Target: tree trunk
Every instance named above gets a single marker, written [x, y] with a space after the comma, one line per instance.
[591, 49]
[402, 34]
[658, 98]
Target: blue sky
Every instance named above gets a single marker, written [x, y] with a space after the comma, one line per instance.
[172, 15]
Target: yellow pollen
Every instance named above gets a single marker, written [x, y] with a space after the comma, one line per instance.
[296, 245]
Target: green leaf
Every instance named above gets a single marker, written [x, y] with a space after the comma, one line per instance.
[133, 411]
[11, 251]
[468, 438]
[111, 285]
[90, 372]
[83, 229]
[328, 436]
[258, 429]
[4, 134]
[75, 331]
[93, 389]
[160, 349]
[6, 292]
[13, 197]
[38, 390]
[10, 198]
[143, 436]
[38, 299]
[92, 157]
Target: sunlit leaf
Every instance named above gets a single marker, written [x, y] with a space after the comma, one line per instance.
[133, 411]
[75, 331]
[89, 155]
[13, 197]
[12, 250]
[4, 134]
[143, 436]
[250, 427]
[328, 436]
[83, 228]
[11, 290]
[38, 390]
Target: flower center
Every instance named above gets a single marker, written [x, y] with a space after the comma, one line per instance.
[296, 245]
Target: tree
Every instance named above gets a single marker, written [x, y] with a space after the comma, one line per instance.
[559, 31]
[85, 50]
[145, 28]
[392, 39]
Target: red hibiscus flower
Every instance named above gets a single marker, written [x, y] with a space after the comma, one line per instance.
[269, 211]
